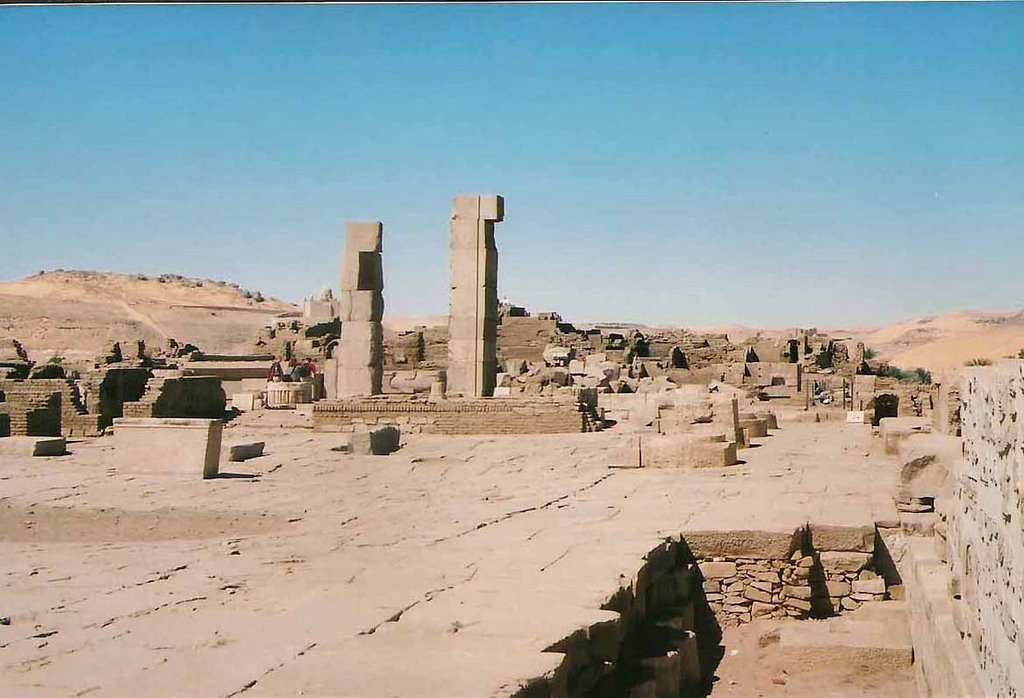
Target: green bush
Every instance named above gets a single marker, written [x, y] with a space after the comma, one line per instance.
[979, 362]
[870, 353]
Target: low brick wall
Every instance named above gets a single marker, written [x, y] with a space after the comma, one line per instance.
[481, 416]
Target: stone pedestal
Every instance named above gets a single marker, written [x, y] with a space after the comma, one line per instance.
[288, 394]
[179, 446]
[473, 314]
[360, 353]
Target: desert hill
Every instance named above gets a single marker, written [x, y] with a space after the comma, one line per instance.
[75, 313]
[947, 341]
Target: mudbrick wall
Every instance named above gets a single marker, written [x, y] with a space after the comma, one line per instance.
[985, 525]
[44, 407]
[484, 416]
[180, 396]
[659, 633]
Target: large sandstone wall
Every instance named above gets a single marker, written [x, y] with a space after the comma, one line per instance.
[985, 534]
[482, 416]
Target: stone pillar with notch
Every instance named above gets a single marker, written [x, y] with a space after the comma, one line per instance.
[473, 313]
[360, 352]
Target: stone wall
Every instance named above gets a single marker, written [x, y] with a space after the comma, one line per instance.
[480, 416]
[658, 634]
[45, 407]
[815, 572]
[946, 417]
[180, 396]
[985, 534]
[105, 391]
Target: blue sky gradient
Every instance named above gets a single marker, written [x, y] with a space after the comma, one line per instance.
[791, 164]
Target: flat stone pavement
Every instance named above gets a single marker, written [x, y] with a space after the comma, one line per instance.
[444, 569]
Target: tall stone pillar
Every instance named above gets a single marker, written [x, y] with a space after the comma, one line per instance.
[473, 314]
[360, 352]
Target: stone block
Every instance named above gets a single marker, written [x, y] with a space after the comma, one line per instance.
[838, 588]
[364, 236]
[757, 595]
[686, 451]
[759, 545]
[835, 561]
[466, 206]
[33, 446]
[797, 604]
[360, 380]
[247, 401]
[376, 442]
[492, 207]
[859, 539]
[798, 592]
[243, 452]
[362, 271]
[869, 586]
[717, 570]
[361, 306]
[189, 447]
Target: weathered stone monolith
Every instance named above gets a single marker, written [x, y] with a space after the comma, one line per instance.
[473, 314]
[360, 352]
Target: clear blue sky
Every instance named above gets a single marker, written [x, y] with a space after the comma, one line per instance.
[687, 164]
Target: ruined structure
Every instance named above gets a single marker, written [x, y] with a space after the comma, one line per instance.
[360, 353]
[473, 316]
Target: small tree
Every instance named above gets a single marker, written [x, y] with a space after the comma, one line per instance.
[56, 359]
[922, 376]
[870, 353]
[981, 361]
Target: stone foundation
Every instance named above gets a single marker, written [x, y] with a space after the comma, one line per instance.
[480, 416]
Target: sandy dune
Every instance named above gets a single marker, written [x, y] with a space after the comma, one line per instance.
[947, 341]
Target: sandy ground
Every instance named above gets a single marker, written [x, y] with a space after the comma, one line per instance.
[758, 663]
[443, 569]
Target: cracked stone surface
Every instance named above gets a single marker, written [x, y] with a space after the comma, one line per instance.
[443, 569]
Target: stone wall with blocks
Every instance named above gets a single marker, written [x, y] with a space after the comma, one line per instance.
[985, 532]
[481, 416]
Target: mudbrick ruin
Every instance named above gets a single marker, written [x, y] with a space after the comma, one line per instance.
[506, 505]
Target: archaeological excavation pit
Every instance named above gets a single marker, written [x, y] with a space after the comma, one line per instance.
[676, 619]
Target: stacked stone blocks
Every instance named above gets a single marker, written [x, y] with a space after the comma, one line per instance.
[360, 352]
[473, 315]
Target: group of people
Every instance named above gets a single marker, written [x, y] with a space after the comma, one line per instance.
[297, 370]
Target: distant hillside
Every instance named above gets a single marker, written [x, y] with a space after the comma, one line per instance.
[75, 313]
[950, 340]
